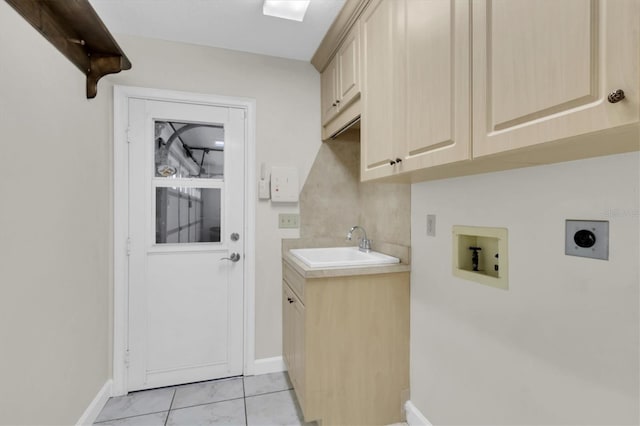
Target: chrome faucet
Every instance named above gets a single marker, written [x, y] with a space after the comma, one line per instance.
[364, 244]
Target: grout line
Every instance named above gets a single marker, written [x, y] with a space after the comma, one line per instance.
[170, 406]
[269, 393]
[244, 401]
[173, 398]
[131, 417]
[207, 403]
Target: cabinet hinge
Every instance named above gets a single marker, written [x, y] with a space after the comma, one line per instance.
[128, 246]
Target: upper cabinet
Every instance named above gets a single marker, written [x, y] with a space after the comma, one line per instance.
[437, 103]
[340, 85]
[382, 116]
[455, 87]
[542, 71]
[329, 92]
[416, 88]
[349, 69]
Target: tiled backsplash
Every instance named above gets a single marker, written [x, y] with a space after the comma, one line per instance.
[333, 199]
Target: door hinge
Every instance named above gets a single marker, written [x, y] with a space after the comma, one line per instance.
[126, 358]
[128, 246]
[244, 113]
[128, 134]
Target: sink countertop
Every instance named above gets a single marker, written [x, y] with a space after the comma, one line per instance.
[300, 267]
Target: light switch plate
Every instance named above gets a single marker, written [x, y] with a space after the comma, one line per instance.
[587, 238]
[431, 225]
[288, 220]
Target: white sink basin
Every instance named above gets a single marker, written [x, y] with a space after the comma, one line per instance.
[333, 257]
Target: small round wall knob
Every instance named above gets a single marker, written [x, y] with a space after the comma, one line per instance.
[391, 163]
[616, 96]
[398, 160]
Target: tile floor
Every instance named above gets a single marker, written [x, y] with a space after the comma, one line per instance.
[251, 401]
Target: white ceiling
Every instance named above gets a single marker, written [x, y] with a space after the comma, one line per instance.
[230, 24]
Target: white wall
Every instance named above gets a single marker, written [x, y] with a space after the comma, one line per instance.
[56, 192]
[561, 346]
[287, 94]
[54, 231]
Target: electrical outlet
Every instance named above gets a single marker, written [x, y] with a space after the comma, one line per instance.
[288, 220]
[587, 238]
[431, 225]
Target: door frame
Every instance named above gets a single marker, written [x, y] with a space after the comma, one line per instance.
[121, 96]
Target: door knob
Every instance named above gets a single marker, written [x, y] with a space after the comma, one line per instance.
[616, 96]
[234, 257]
[235, 236]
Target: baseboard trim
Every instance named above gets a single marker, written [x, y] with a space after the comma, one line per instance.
[414, 416]
[91, 413]
[269, 365]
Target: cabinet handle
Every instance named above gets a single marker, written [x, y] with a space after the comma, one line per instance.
[391, 163]
[290, 300]
[616, 96]
[338, 101]
[334, 104]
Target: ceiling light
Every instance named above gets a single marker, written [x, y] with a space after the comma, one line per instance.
[218, 143]
[286, 9]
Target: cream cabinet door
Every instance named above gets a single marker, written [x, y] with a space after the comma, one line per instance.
[438, 83]
[293, 337]
[329, 92]
[382, 122]
[299, 353]
[542, 70]
[349, 69]
[287, 330]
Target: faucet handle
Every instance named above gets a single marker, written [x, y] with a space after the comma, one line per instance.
[365, 245]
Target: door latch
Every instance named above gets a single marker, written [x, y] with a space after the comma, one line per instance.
[234, 257]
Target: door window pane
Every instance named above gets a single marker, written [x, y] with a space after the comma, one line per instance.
[188, 215]
[188, 150]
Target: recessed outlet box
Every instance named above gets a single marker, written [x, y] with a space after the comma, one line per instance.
[587, 238]
[288, 220]
[480, 255]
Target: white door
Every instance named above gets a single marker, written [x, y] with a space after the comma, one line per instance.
[186, 174]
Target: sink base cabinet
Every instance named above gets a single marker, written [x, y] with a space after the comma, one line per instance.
[346, 345]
